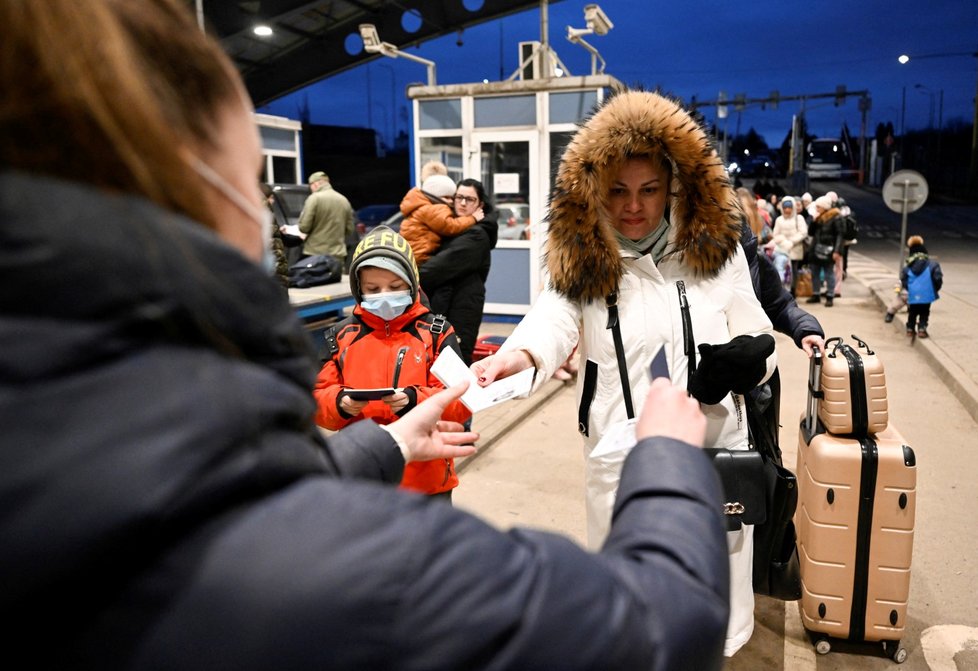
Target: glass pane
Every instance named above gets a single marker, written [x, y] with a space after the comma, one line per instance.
[506, 177]
[283, 169]
[572, 106]
[440, 114]
[448, 150]
[506, 111]
[558, 143]
[281, 139]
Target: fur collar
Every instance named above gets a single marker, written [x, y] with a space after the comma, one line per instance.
[582, 253]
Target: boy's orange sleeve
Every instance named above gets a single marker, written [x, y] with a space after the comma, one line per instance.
[439, 219]
[329, 383]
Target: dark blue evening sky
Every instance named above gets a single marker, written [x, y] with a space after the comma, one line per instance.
[702, 47]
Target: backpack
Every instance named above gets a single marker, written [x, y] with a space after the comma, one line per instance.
[850, 228]
[315, 270]
[920, 288]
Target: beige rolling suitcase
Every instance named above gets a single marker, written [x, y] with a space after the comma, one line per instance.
[855, 522]
[854, 389]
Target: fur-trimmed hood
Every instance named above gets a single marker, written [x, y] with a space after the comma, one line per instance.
[582, 253]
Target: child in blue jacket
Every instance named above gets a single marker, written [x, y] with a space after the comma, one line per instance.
[921, 279]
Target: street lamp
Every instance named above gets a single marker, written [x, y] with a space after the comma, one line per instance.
[373, 45]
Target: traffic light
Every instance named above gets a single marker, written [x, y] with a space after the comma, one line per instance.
[840, 94]
[740, 101]
[774, 98]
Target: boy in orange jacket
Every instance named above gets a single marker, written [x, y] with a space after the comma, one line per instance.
[390, 341]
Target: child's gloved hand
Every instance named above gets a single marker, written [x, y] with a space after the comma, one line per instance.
[736, 366]
[350, 407]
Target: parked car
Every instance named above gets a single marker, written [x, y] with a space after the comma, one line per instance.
[289, 199]
[287, 206]
[369, 216]
[514, 221]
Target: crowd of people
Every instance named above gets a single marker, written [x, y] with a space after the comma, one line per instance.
[804, 237]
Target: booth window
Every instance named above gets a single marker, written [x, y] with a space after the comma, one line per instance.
[505, 111]
[440, 114]
[448, 150]
[572, 106]
[277, 139]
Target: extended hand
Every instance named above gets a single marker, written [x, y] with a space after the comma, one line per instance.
[500, 365]
[426, 437]
[671, 413]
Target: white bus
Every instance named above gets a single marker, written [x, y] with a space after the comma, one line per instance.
[828, 158]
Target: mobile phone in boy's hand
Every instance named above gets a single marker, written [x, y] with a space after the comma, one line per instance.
[659, 367]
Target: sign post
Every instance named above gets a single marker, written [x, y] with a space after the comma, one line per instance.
[904, 191]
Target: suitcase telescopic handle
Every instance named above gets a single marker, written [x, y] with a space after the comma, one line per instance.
[814, 389]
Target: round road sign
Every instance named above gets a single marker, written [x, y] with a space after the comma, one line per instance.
[905, 189]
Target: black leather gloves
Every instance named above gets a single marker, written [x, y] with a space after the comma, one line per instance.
[736, 366]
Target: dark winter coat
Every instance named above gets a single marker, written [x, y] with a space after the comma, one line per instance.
[827, 229]
[455, 279]
[917, 263]
[169, 504]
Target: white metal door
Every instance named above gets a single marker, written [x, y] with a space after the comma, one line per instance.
[508, 165]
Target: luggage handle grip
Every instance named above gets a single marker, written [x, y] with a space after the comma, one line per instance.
[861, 343]
[814, 389]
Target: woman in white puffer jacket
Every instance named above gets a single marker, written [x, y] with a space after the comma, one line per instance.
[642, 213]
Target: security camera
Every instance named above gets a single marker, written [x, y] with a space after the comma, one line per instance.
[371, 40]
[597, 20]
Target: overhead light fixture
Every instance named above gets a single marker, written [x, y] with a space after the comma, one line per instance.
[372, 44]
[262, 30]
[904, 59]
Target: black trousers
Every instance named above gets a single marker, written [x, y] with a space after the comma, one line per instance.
[917, 316]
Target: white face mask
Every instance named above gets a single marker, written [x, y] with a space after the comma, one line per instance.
[387, 304]
[260, 215]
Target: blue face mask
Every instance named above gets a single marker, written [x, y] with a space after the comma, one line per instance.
[387, 305]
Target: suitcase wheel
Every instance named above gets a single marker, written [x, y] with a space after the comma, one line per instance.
[822, 646]
[895, 651]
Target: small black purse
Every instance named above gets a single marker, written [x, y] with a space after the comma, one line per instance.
[744, 480]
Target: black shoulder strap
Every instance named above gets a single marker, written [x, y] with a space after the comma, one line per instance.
[689, 343]
[332, 346]
[611, 300]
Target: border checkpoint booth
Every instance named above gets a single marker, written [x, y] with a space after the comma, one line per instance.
[510, 135]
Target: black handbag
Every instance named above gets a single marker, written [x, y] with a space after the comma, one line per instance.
[742, 475]
[822, 252]
[742, 472]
